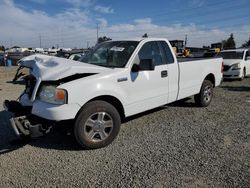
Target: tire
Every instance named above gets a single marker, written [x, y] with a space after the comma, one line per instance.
[243, 74]
[204, 98]
[97, 125]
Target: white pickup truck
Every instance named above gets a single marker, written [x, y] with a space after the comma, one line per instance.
[236, 63]
[115, 80]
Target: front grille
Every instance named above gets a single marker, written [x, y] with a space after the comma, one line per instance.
[30, 85]
[226, 67]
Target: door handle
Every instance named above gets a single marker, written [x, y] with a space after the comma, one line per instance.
[164, 73]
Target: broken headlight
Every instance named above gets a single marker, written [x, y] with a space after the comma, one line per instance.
[51, 94]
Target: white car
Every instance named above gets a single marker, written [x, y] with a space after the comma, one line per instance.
[117, 79]
[236, 63]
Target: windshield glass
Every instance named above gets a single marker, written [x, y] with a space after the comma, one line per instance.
[111, 54]
[231, 55]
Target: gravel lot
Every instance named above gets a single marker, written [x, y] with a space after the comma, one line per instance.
[178, 145]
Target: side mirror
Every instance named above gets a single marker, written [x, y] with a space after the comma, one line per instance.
[135, 68]
[145, 65]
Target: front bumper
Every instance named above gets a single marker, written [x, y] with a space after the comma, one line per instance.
[232, 74]
[55, 112]
[22, 126]
[25, 124]
[15, 127]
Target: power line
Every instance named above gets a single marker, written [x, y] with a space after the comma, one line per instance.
[185, 44]
[184, 12]
[244, 15]
[166, 18]
[109, 30]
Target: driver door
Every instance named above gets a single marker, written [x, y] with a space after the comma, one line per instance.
[148, 88]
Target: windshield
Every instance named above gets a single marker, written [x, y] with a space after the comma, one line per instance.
[111, 54]
[231, 55]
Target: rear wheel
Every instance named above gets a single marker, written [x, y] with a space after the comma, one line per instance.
[204, 98]
[97, 125]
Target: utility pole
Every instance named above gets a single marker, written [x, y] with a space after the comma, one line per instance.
[87, 44]
[97, 32]
[40, 40]
[10, 42]
[185, 44]
[62, 37]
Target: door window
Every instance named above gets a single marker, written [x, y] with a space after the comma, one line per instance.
[167, 52]
[247, 55]
[151, 50]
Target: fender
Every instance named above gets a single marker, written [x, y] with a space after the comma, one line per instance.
[83, 90]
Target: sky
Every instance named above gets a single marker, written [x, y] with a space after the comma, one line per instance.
[73, 23]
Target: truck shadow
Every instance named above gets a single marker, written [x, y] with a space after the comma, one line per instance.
[19, 82]
[6, 134]
[187, 102]
[236, 88]
[234, 80]
[184, 103]
[61, 136]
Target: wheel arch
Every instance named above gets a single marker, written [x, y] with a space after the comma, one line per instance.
[210, 77]
[111, 100]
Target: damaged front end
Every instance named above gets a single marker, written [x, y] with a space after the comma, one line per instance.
[44, 75]
[23, 122]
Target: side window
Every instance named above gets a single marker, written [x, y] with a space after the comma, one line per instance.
[245, 54]
[167, 52]
[151, 50]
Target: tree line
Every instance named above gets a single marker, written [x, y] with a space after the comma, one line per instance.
[226, 44]
[230, 43]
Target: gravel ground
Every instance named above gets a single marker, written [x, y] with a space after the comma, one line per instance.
[178, 145]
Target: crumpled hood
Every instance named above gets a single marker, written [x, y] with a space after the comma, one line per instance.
[54, 68]
[230, 62]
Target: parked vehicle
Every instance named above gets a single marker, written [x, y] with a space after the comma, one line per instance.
[211, 53]
[76, 56]
[16, 56]
[2, 58]
[118, 79]
[236, 63]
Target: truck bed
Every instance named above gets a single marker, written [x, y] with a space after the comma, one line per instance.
[193, 73]
[185, 59]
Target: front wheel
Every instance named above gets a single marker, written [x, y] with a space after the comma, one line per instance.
[97, 125]
[204, 98]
